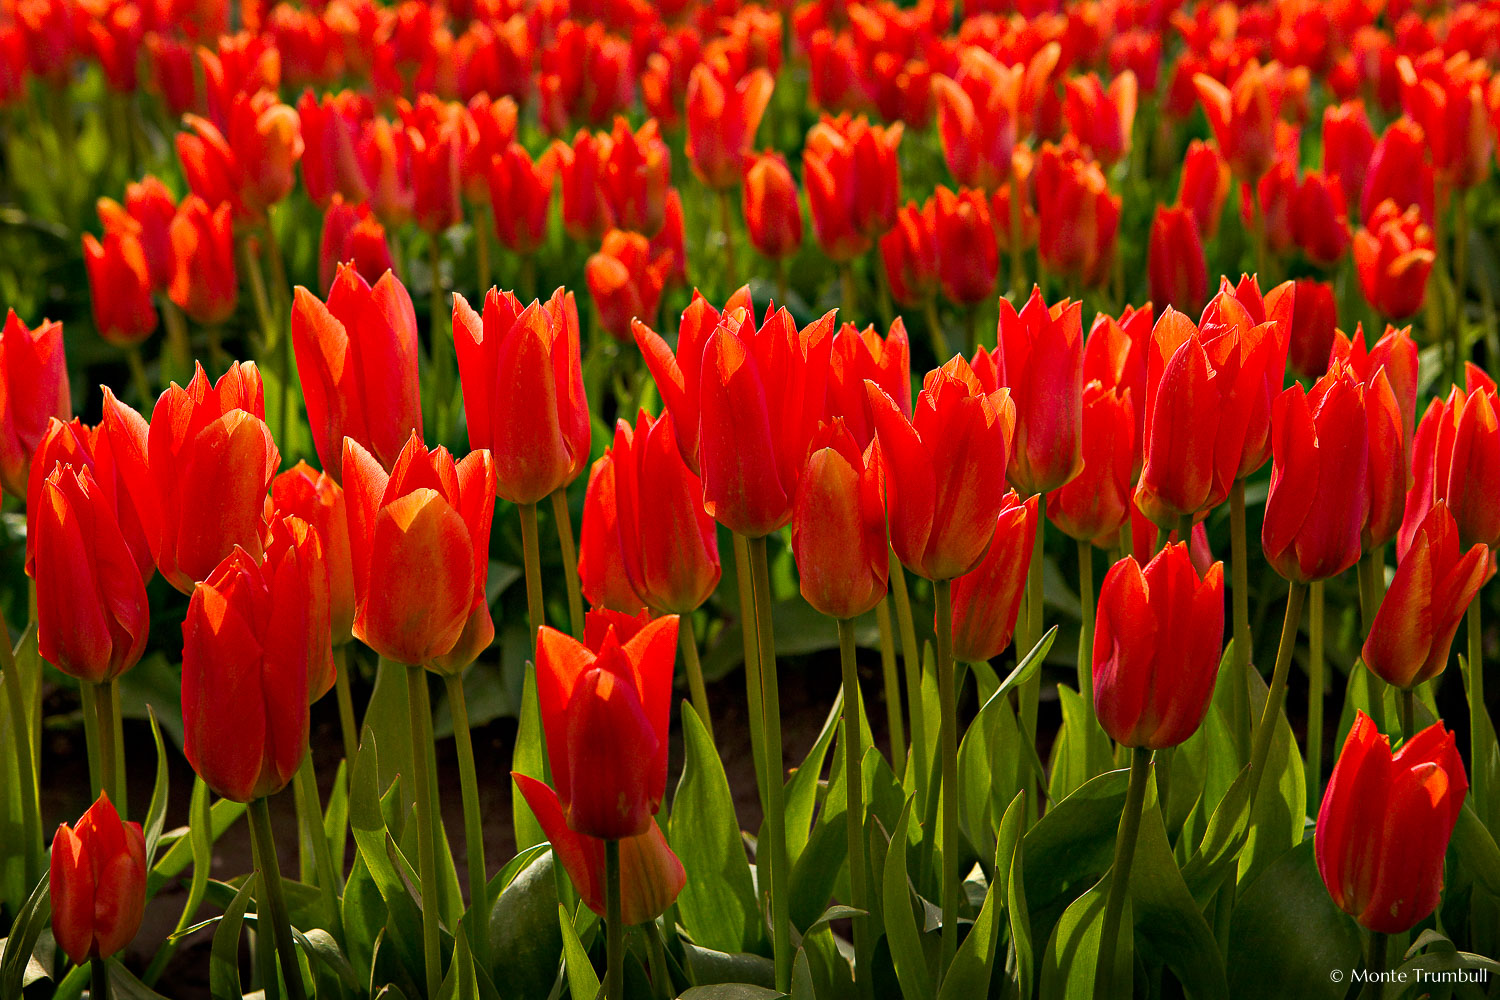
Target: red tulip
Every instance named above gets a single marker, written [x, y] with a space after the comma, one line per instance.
[1114, 354]
[1175, 265]
[636, 177]
[204, 283]
[1446, 97]
[97, 883]
[332, 136]
[1456, 457]
[586, 212]
[1146, 539]
[1398, 171]
[357, 358]
[722, 116]
[862, 354]
[853, 180]
[773, 217]
[1434, 583]
[1396, 352]
[316, 498]
[586, 76]
[119, 288]
[521, 197]
[1384, 825]
[606, 714]
[436, 150]
[33, 390]
[1097, 502]
[1078, 217]
[1320, 481]
[626, 281]
[1348, 147]
[985, 109]
[1314, 322]
[1204, 186]
[147, 214]
[1039, 357]
[1388, 467]
[1275, 207]
[909, 253]
[838, 526]
[1393, 255]
[1243, 119]
[523, 393]
[968, 258]
[601, 557]
[1157, 640]
[1102, 120]
[419, 538]
[987, 599]
[351, 235]
[942, 502]
[1319, 219]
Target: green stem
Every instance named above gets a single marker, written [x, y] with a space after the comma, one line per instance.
[911, 662]
[1371, 575]
[656, 955]
[138, 377]
[778, 267]
[536, 610]
[781, 918]
[564, 519]
[1086, 644]
[281, 313]
[1275, 697]
[689, 644]
[88, 694]
[260, 829]
[948, 701]
[1460, 267]
[726, 234]
[416, 689]
[108, 768]
[442, 361]
[1376, 963]
[752, 664]
[855, 811]
[250, 263]
[1239, 556]
[1315, 684]
[1478, 714]
[344, 694]
[848, 290]
[479, 903]
[1407, 699]
[891, 678]
[482, 225]
[935, 331]
[1031, 690]
[1119, 877]
[310, 821]
[98, 978]
[265, 948]
[614, 928]
[971, 327]
[116, 740]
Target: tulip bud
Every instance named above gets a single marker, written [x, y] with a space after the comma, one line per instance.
[722, 117]
[987, 599]
[1393, 256]
[968, 258]
[521, 197]
[435, 154]
[204, 283]
[853, 180]
[1102, 120]
[601, 557]
[1348, 146]
[1398, 171]
[1320, 220]
[909, 253]
[119, 288]
[522, 377]
[147, 214]
[626, 281]
[1455, 456]
[586, 212]
[1243, 119]
[351, 235]
[1204, 187]
[1078, 217]
[1157, 640]
[859, 355]
[1114, 354]
[34, 373]
[1384, 825]
[1396, 352]
[986, 108]
[1314, 324]
[1176, 268]
[1096, 503]
[838, 526]
[636, 176]
[97, 883]
[606, 713]
[316, 498]
[773, 217]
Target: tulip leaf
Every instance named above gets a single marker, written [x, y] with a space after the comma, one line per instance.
[525, 942]
[31, 918]
[224, 960]
[319, 944]
[988, 770]
[1286, 912]
[156, 813]
[460, 983]
[1277, 818]
[528, 758]
[799, 630]
[125, 986]
[1072, 748]
[802, 788]
[1072, 956]
[368, 822]
[901, 930]
[222, 815]
[717, 906]
[708, 967]
[803, 987]
[1071, 846]
[583, 981]
[969, 974]
[1218, 852]
[1475, 848]
[336, 816]
[730, 991]
[1432, 954]
[1009, 865]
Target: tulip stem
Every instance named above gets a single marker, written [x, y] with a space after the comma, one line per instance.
[940, 347]
[98, 978]
[911, 661]
[281, 924]
[1376, 962]
[310, 819]
[536, 611]
[88, 694]
[752, 663]
[1119, 876]
[138, 377]
[1407, 699]
[971, 327]
[1371, 576]
[854, 810]
[778, 265]
[416, 689]
[1460, 268]
[689, 643]
[1478, 716]
[479, 903]
[891, 678]
[108, 749]
[726, 233]
[948, 701]
[1031, 690]
[781, 917]
[1239, 591]
[178, 347]
[614, 929]
[1315, 684]
[564, 519]
[344, 694]
[1086, 644]
[1276, 696]
[848, 292]
[482, 225]
[442, 360]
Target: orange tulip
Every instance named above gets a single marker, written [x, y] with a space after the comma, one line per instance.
[33, 390]
[204, 283]
[722, 116]
[773, 217]
[987, 599]
[838, 526]
[97, 883]
[601, 556]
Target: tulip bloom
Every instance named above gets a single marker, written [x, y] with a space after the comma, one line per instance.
[942, 504]
[1388, 466]
[1102, 120]
[1396, 352]
[853, 180]
[987, 599]
[1078, 217]
[92, 614]
[1039, 357]
[316, 497]
[1157, 640]
[33, 390]
[1435, 581]
[1176, 268]
[636, 176]
[1314, 325]
[147, 213]
[1204, 187]
[1384, 825]
[838, 526]
[1243, 119]
[522, 379]
[252, 639]
[773, 217]
[985, 109]
[419, 539]
[1096, 502]
[119, 288]
[97, 883]
[351, 235]
[626, 280]
[198, 473]
[606, 713]
[1320, 222]
[1393, 255]
[722, 116]
[1399, 171]
[1114, 355]
[762, 392]
[909, 253]
[1348, 147]
[862, 354]
[204, 283]
[521, 197]
[601, 556]
[357, 358]
[1320, 488]
[968, 257]
[1455, 456]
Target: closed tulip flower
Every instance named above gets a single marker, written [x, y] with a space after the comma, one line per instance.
[1039, 357]
[863, 354]
[626, 280]
[357, 358]
[97, 883]
[1435, 581]
[1393, 256]
[1455, 456]
[1176, 268]
[968, 258]
[987, 599]
[119, 288]
[1204, 187]
[1314, 325]
[198, 474]
[1320, 488]
[853, 180]
[762, 392]
[636, 177]
[1396, 352]
[316, 497]
[33, 390]
[722, 116]
[773, 217]
[1274, 206]
[1078, 217]
[1320, 221]
[942, 506]
[985, 109]
[606, 713]
[1102, 119]
[351, 235]
[436, 151]
[204, 283]
[521, 197]
[522, 379]
[1348, 146]
[601, 555]
[1114, 355]
[251, 641]
[1384, 825]
[419, 538]
[909, 253]
[1157, 641]
[148, 212]
[586, 212]
[1388, 465]
[1399, 171]
[838, 526]
[1243, 119]
[1096, 502]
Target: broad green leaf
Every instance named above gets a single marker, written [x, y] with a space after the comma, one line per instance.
[319, 944]
[30, 920]
[221, 816]
[1218, 852]
[900, 920]
[969, 974]
[717, 906]
[123, 984]
[1071, 960]
[802, 978]
[224, 960]
[1070, 847]
[708, 967]
[529, 758]
[156, 813]
[525, 943]
[1476, 850]
[1071, 751]
[730, 991]
[583, 981]
[1277, 819]
[802, 788]
[460, 983]
[368, 822]
[1009, 864]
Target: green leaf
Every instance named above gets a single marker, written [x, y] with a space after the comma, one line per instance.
[224, 960]
[1219, 851]
[524, 939]
[200, 841]
[460, 983]
[222, 815]
[156, 813]
[1071, 750]
[1009, 864]
[717, 906]
[802, 978]
[583, 981]
[123, 984]
[336, 816]
[900, 920]
[730, 991]
[1277, 820]
[1071, 846]
[1475, 848]
[528, 758]
[319, 944]
[1434, 954]
[30, 920]
[969, 974]
[1287, 913]
[1072, 957]
[368, 822]
[802, 788]
[708, 967]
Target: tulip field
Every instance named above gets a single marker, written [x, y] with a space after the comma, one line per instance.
[628, 500]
